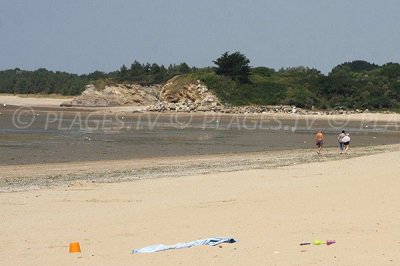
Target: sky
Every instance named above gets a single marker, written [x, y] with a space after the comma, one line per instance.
[81, 36]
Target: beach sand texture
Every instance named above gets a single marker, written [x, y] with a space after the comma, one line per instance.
[32, 101]
[355, 202]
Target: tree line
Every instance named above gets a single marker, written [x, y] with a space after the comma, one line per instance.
[355, 84]
[43, 81]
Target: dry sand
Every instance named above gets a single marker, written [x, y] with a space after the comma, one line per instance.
[270, 211]
[54, 102]
[32, 101]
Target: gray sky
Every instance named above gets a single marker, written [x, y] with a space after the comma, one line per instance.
[81, 36]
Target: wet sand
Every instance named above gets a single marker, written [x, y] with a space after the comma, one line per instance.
[38, 135]
[39, 176]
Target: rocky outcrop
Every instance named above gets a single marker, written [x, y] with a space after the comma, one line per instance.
[175, 95]
[116, 95]
[186, 98]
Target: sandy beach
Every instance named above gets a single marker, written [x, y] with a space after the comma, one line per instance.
[268, 200]
[185, 133]
[270, 211]
[31, 100]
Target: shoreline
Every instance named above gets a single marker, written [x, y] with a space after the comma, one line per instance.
[16, 178]
[53, 104]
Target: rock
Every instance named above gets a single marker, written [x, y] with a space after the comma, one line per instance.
[138, 111]
[202, 108]
[66, 104]
[187, 93]
[90, 90]
[117, 95]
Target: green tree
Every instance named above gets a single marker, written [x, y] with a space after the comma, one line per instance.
[123, 72]
[235, 65]
[184, 68]
[136, 69]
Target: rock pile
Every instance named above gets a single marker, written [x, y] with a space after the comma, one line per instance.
[252, 109]
[287, 109]
[188, 98]
[116, 95]
[215, 106]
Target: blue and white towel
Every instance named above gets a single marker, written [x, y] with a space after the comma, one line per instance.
[208, 242]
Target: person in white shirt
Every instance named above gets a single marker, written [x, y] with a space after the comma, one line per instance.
[346, 142]
[340, 140]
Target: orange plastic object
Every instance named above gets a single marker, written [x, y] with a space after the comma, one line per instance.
[74, 247]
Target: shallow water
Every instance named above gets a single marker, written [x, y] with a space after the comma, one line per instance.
[43, 135]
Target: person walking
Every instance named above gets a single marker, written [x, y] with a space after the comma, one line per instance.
[319, 141]
[340, 140]
[346, 142]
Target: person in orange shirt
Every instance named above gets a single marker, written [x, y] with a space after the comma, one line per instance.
[319, 141]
